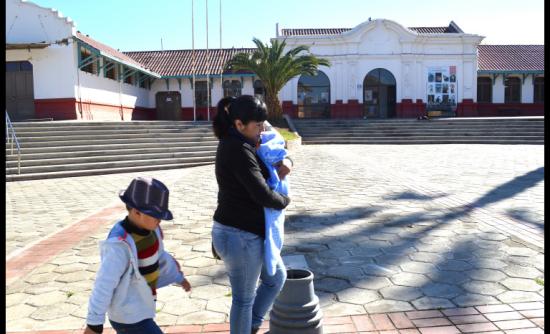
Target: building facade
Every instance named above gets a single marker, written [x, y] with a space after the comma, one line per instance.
[379, 69]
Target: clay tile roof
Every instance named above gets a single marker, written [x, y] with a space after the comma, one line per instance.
[108, 50]
[431, 30]
[510, 57]
[179, 62]
[338, 31]
[313, 32]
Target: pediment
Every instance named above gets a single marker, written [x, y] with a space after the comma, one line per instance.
[379, 36]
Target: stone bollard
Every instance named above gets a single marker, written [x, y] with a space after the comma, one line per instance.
[296, 310]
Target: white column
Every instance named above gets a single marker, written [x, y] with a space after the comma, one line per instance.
[498, 90]
[527, 90]
[217, 92]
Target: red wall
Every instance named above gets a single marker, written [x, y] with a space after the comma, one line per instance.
[70, 108]
[510, 109]
[58, 109]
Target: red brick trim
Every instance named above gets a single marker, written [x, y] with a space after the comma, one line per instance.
[24, 262]
[72, 109]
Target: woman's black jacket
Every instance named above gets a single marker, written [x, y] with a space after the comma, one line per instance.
[243, 191]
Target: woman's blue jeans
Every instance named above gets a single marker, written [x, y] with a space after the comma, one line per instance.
[242, 254]
[147, 326]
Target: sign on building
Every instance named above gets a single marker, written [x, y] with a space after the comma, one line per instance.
[442, 89]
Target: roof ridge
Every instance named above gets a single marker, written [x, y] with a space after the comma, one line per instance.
[210, 49]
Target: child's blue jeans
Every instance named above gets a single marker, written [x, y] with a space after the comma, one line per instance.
[242, 255]
[147, 326]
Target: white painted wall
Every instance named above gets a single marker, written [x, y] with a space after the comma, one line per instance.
[95, 88]
[498, 90]
[27, 22]
[53, 70]
[528, 90]
[386, 44]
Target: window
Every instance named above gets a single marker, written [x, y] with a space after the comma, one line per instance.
[111, 69]
[314, 95]
[232, 88]
[143, 80]
[539, 90]
[484, 90]
[131, 78]
[91, 67]
[201, 95]
[259, 90]
[512, 90]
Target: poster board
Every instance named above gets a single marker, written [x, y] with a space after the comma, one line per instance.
[442, 88]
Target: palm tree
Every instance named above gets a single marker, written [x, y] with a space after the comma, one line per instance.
[275, 69]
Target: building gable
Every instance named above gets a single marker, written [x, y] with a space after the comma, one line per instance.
[28, 23]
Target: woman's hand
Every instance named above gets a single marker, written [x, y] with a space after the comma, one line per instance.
[186, 285]
[284, 168]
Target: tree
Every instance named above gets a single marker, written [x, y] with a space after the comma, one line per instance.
[275, 69]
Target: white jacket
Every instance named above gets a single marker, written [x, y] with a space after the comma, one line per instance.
[119, 289]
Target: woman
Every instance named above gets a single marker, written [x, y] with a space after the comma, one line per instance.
[239, 222]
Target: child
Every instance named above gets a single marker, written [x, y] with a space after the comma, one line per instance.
[271, 151]
[134, 263]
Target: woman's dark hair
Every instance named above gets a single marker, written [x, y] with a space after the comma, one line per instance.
[246, 108]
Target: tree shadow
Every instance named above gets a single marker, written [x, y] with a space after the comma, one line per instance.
[525, 217]
[357, 246]
[511, 188]
[411, 195]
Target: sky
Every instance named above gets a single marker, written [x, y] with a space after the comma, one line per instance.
[141, 25]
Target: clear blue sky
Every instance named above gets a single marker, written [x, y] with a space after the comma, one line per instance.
[134, 25]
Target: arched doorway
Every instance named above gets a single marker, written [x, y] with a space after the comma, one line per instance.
[379, 94]
[314, 96]
[19, 90]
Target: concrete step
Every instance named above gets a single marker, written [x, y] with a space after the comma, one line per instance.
[434, 137]
[141, 141]
[419, 132]
[97, 136]
[432, 120]
[73, 154]
[124, 146]
[38, 133]
[106, 158]
[110, 123]
[63, 149]
[387, 141]
[419, 124]
[103, 171]
[108, 165]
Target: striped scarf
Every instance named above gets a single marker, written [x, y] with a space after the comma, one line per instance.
[147, 245]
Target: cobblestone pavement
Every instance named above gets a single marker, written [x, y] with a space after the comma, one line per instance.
[384, 228]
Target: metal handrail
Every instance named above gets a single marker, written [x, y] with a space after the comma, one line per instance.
[12, 139]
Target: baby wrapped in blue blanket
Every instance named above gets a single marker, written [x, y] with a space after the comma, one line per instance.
[272, 151]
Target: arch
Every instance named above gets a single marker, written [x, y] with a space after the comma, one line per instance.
[484, 90]
[314, 96]
[379, 94]
[232, 88]
[19, 90]
[512, 90]
[538, 94]
[259, 89]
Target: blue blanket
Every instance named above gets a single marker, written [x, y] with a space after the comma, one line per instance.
[271, 151]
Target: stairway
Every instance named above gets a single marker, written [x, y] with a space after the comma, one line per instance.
[489, 130]
[64, 149]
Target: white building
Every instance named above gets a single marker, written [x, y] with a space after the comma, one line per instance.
[378, 69]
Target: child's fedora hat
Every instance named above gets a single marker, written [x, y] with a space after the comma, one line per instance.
[149, 196]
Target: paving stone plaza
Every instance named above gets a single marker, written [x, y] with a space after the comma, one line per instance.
[384, 228]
